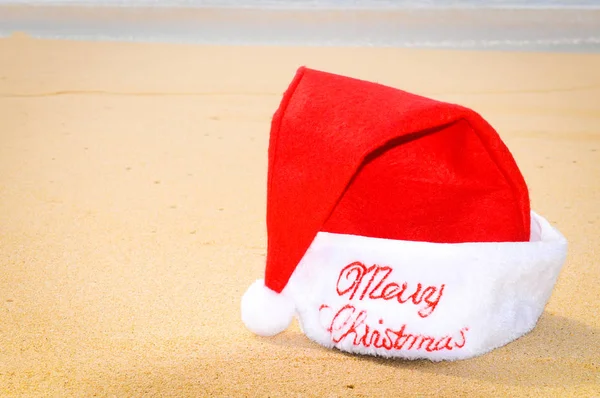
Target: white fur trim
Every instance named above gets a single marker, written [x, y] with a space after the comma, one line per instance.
[265, 312]
[474, 297]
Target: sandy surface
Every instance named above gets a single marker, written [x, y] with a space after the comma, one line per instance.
[132, 206]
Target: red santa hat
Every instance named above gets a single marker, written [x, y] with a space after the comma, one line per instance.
[397, 226]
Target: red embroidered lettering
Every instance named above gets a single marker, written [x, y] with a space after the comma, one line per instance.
[366, 289]
[406, 337]
[350, 323]
[348, 326]
[357, 268]
[446, 340]
[432, 299]
[390, 295]
[356, 280]
[431, 341]
[464, 340]
[387, 270]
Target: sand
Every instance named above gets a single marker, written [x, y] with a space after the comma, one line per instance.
[132, 219]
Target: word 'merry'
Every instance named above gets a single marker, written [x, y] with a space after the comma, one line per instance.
[358, 281]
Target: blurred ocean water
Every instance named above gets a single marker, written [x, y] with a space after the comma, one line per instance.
[537, 25]
[324, 4]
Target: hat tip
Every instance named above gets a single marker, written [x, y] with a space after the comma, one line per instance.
[265, 312]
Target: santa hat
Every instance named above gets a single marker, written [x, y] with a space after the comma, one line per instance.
[397, 226]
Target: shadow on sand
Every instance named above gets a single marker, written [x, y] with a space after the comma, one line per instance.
[557, 352]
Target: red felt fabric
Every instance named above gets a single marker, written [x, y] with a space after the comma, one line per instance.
[355, 157]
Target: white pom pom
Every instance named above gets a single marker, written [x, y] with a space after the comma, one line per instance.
[265, 312]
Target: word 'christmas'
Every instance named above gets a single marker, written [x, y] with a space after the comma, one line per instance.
[358, 280]
[350, 323]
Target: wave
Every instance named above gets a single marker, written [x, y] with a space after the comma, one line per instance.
[583, 44]
[320, 4]
[486, 43]
[468, 28]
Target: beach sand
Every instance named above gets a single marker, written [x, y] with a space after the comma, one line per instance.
[132, 219]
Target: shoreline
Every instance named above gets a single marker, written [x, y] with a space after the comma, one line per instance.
[471, 29]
